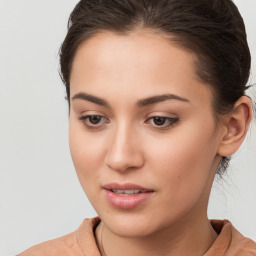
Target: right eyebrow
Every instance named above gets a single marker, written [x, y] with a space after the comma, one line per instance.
[91, 98]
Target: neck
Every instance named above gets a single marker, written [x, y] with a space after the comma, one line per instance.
[184, 238]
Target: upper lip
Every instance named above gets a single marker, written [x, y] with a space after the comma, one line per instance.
[125, 186]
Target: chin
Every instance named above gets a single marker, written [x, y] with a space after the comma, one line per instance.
[131, 224]
[122, 230]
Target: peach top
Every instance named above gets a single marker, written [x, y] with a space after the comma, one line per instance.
[82, 242]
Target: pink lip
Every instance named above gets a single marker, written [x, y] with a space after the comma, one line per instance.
[125, 186]
[126, 201]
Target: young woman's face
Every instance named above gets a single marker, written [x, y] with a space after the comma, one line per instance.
[143, 136]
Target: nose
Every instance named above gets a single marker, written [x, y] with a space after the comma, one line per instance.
[124, 152]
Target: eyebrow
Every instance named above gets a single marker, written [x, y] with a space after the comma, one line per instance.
[140, 103]
[91, 98]
[159, 98]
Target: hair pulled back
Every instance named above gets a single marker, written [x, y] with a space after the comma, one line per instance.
[212, 29]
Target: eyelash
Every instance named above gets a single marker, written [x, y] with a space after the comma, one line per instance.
[170, 121]
[87, 122]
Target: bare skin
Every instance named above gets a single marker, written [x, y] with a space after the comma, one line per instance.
[175, 156]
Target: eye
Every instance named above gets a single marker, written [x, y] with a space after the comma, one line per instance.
[93, 121]
[162, 121]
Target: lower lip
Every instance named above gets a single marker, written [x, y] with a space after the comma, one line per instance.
[127, 201]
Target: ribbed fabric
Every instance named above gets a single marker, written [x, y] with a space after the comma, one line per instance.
[86, 238]
[78, 243]
[82, 242]
[230, 242]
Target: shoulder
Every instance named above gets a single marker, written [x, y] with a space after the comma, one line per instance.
[230, 241]
[241, 245]
[59, 246]
[67, 245]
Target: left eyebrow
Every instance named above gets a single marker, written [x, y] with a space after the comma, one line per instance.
[160, 98]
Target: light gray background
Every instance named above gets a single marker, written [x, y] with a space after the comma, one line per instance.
[40, 196]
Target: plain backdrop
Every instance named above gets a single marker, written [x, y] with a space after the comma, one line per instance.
[40, 195]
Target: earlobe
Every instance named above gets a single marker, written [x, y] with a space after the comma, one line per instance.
[236, 126]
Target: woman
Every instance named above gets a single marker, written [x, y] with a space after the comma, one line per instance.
[156, 93]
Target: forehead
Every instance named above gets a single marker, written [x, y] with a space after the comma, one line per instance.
[143, 62]
[139, 48]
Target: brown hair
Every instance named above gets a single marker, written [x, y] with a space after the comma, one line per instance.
[212, 29]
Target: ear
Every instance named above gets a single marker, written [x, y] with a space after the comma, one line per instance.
[235, 126]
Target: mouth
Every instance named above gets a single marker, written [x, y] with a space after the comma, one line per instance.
[126, 196]
[127, 192]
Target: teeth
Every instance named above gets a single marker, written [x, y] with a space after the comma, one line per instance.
[126, 192]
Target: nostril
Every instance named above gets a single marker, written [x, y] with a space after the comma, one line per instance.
[123, 152]
[119, 165]
[124, 162]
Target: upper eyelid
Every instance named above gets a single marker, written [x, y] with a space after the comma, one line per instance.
[172, 122]
[81, 117]
[84, 117]
[84, 120]
[166, 117]
[148, 117]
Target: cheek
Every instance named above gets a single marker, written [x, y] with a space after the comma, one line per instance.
[86, 152]
[183, 161]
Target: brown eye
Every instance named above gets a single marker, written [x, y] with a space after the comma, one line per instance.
[159, 120]
[162, 122]
[94, 119]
